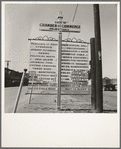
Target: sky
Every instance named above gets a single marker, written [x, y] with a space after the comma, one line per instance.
[22, 22]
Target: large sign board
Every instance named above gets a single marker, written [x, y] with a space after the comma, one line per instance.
[43, 67]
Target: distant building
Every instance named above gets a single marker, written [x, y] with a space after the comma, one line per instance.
[109, 84]
[13, 78]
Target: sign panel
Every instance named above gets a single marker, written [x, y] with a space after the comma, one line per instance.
[74, 67]
[43, 67]
[64, 26]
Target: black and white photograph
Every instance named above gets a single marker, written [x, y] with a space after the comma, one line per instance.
[60, 65]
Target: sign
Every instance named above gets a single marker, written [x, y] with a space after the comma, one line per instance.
[43, 70]
[42, 66]
[74, 68]
[64, 26]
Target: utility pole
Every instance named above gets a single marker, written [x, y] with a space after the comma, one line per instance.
[60, 17]
[93, 75]
[98, 55]
[8, 63]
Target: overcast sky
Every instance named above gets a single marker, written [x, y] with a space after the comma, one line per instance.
[22, 22]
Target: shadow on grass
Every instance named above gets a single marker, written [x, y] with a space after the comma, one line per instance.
[77, 110]
[72, 110]
[109, 111]
[87, 111]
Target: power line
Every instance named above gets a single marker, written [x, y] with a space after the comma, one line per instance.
[73, 18]
[75, 12]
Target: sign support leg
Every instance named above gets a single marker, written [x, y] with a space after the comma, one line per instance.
[60, 17]
[59, 72]
[31, 94]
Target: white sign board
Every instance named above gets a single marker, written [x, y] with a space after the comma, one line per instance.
[43, 68]
[65, 27]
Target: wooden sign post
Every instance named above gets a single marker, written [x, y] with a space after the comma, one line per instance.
[59, 26]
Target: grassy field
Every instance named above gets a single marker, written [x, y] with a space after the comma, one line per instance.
[48, 103]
